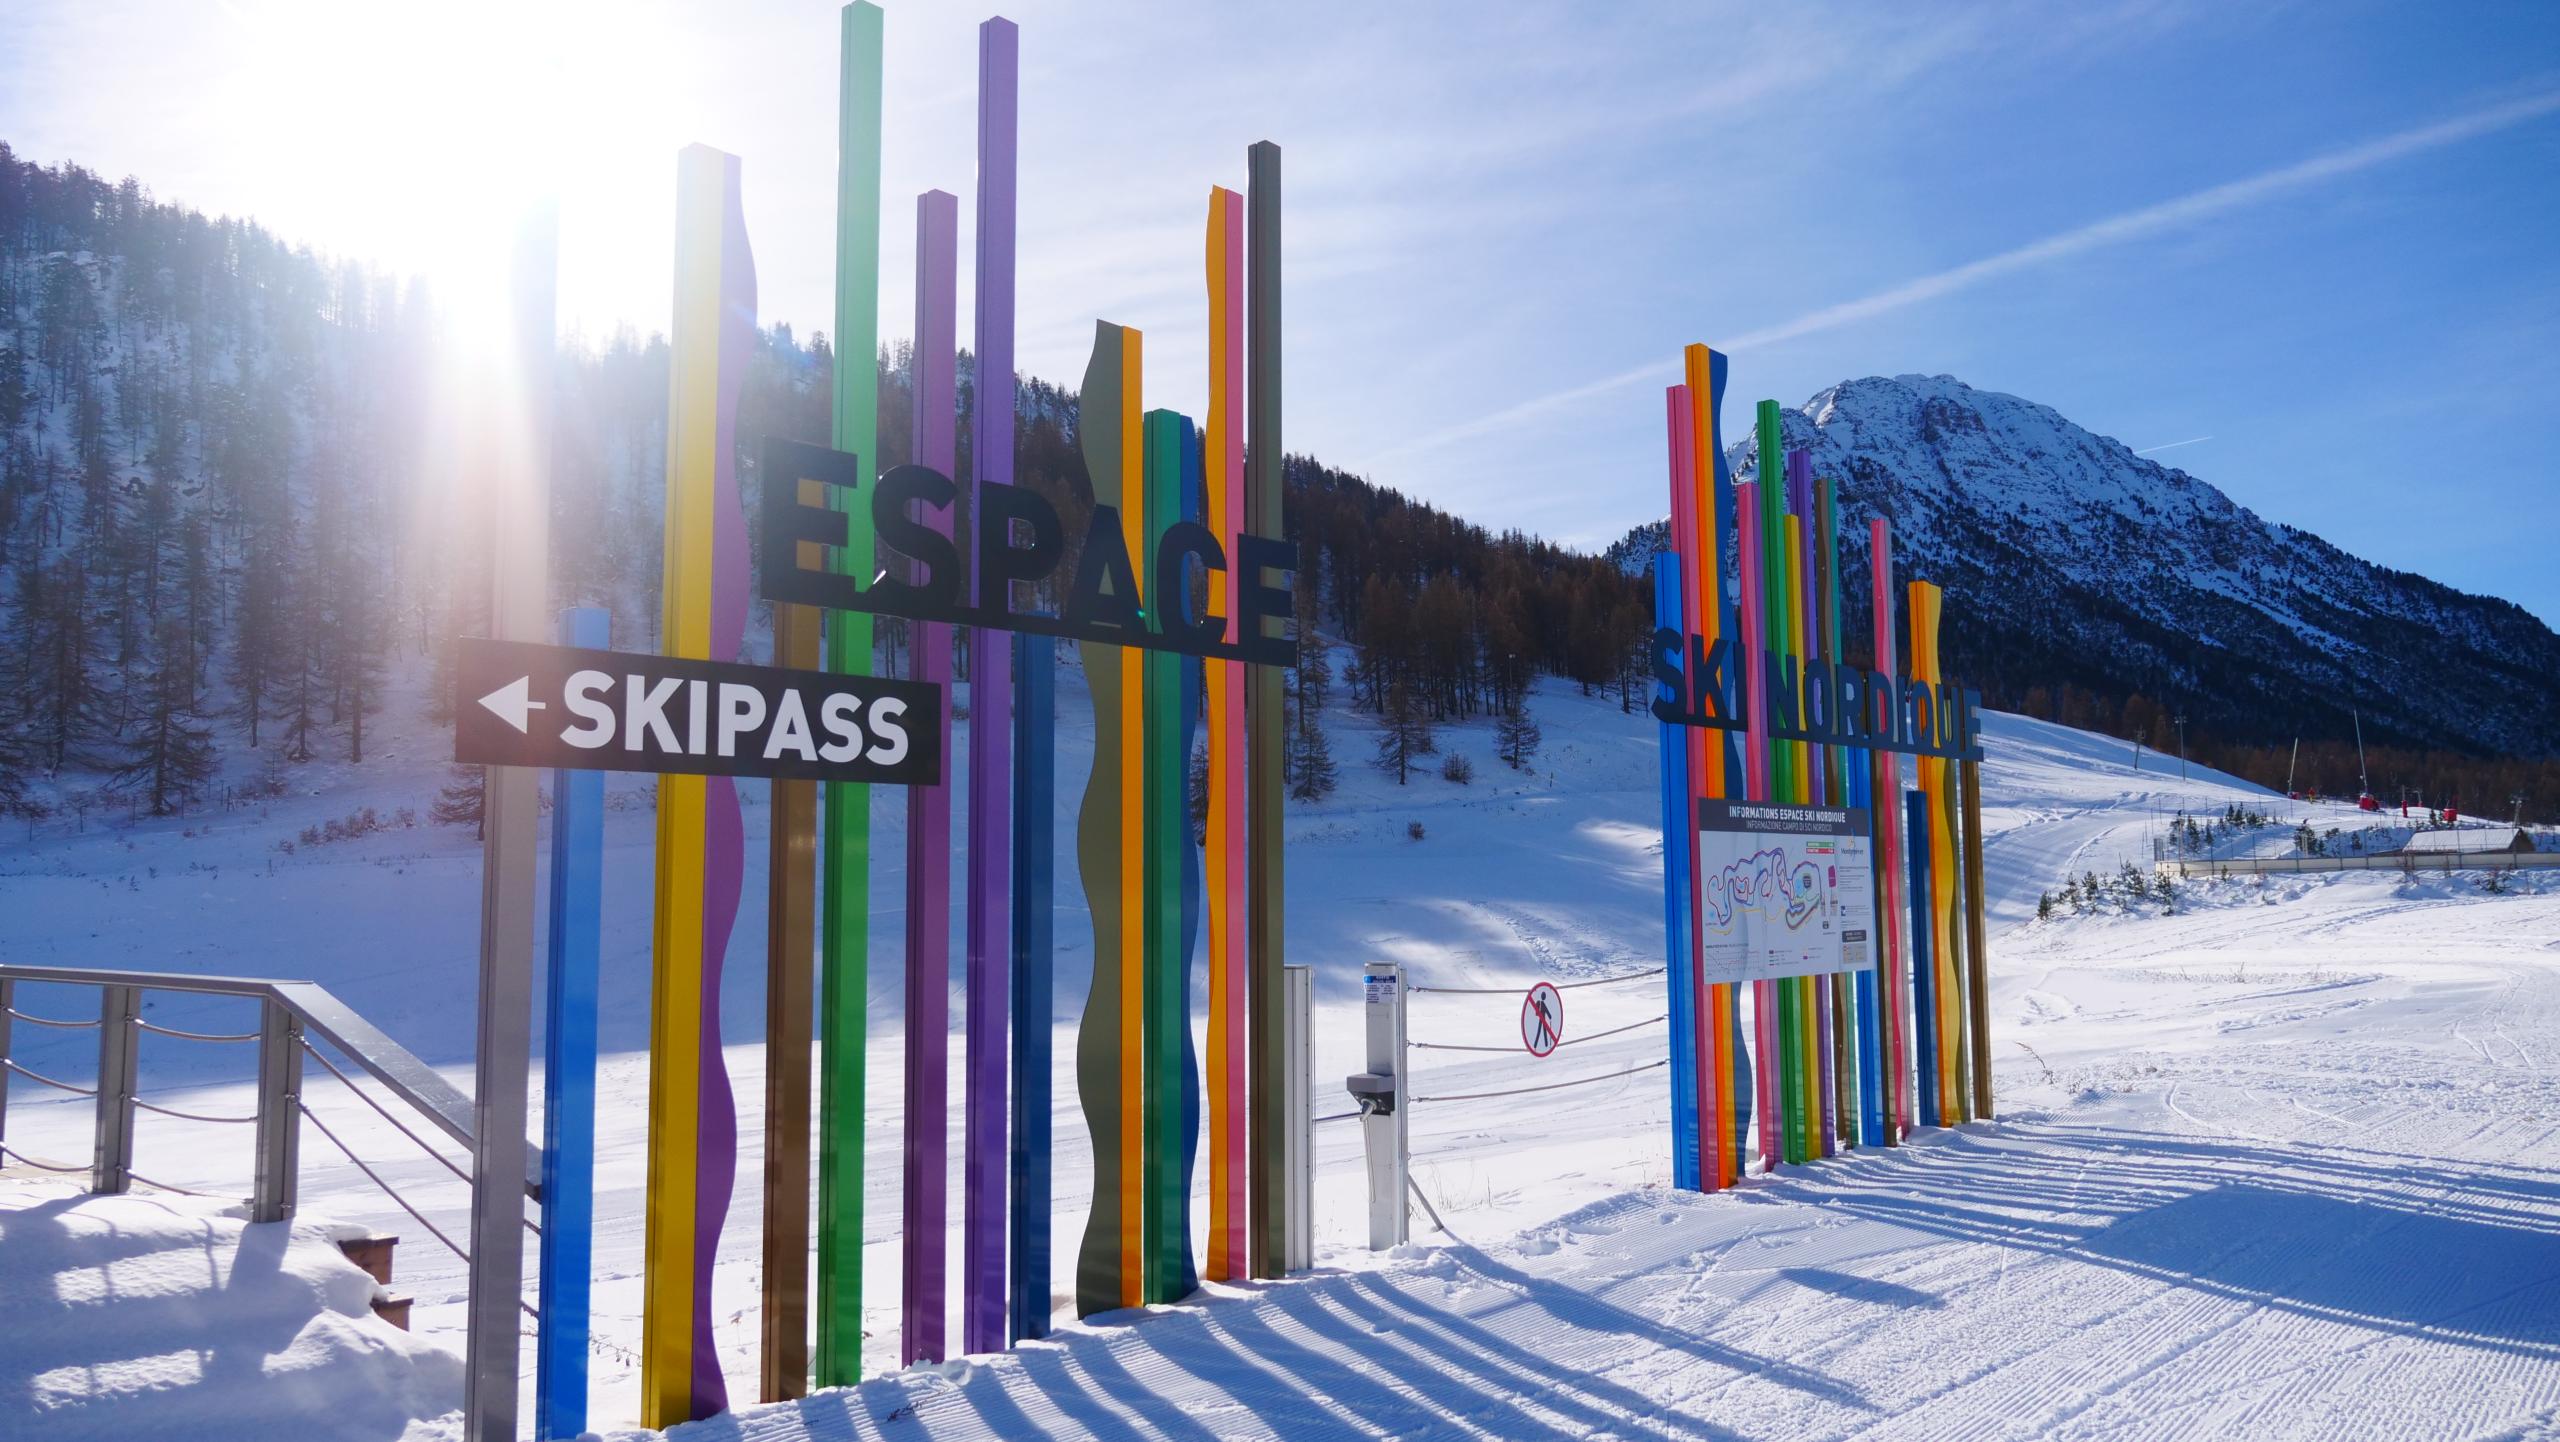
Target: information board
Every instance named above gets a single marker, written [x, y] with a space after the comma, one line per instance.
[1784, 890]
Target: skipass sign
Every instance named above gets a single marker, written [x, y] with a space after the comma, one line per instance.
[565, 706]
[1785, 890]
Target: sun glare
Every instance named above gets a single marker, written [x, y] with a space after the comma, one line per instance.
[420, 137]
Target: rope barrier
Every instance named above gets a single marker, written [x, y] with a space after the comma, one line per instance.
[48, 1081]
[1558, 985]
[368, 1100]
[187, 1116]
[131, 1174]
[53, 1020]
[432, 1229]
[1548, 1087]
[42, 1166]
[194, 1035]
[1569, 1041]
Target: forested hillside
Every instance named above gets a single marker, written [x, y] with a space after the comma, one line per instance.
[227, 512]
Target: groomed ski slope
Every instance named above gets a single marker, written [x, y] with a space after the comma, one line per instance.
[2279, 1165]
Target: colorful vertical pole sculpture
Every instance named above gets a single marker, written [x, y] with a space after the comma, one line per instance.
[1186, 597]
[1265, 895]
[1034, 999]
[1977, 959]
[1891, 955]
[924, 1222]
[844, 928]
[701, 841]
[1705, 496]
[1840, 789]
[1110, 1271]
[1165, 833]
[569, 1077]
[1756, 763]
[990, 884]
[790, 919]
[1917, 843]
[1679, 823]
[1224, 863]
[1944, 1016]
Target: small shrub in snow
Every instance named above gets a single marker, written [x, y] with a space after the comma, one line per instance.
[1456, 767]
[1413, 830]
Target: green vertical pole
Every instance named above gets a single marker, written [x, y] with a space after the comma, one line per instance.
[1167, 1219]
[1264, 955]
[845, 910]
[1775, 601]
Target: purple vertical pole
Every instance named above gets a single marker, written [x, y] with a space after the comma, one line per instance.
[1807, 601]
[982, 1209]
[928, 1120]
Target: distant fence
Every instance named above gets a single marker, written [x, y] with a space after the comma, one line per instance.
[2390, 861]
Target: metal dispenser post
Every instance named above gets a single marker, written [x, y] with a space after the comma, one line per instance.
[1379, 1091]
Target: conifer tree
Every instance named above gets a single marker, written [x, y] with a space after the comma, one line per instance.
[1516, 735]
[1404, 733]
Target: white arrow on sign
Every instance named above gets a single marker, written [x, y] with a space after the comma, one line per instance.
[513, 702]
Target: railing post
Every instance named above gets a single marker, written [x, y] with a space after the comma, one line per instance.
[8, 1003]
[279, 1112]
[111, 1162]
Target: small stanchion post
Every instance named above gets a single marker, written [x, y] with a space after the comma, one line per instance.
[279, 1113]
[1298, 1121]
[111, 1164]
[1380, 1093]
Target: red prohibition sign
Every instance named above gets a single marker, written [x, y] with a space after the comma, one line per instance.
[1542, 1019]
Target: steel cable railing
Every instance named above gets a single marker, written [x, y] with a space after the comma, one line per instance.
[1558, 985]
[51, 1020]
[1548, 1086]
[1568, 1041]
[367, 1098]
[193, 1035]
[33, 1075]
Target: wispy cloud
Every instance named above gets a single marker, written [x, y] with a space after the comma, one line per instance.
[2172, 445]
[2150, 220]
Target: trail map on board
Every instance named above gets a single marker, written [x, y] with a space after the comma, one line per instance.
[1784, 890]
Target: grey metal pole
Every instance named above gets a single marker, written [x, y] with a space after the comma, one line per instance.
[272, 1191]
[111, 1160]
[1298, 1135]
[510, 815]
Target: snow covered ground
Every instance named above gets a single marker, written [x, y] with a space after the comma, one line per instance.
[160, 1316]
[2281, 1163]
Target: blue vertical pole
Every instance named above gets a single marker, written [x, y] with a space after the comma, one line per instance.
[569, 1078]
[1924, 1011]
[1861, 773]
[1678, 828]
[1034, 867]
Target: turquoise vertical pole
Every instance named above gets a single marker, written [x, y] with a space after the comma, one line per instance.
[569, 1079]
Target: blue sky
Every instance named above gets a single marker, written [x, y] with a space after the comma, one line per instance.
[2326, 236]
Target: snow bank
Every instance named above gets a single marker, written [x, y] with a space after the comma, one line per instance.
[159, 1316]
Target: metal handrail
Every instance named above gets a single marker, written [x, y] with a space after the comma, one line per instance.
[320, 1012]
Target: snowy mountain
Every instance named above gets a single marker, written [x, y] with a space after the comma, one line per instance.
[2069, 559]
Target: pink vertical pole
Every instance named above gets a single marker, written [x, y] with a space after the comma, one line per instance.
[1887, 808]
[1755, 767]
